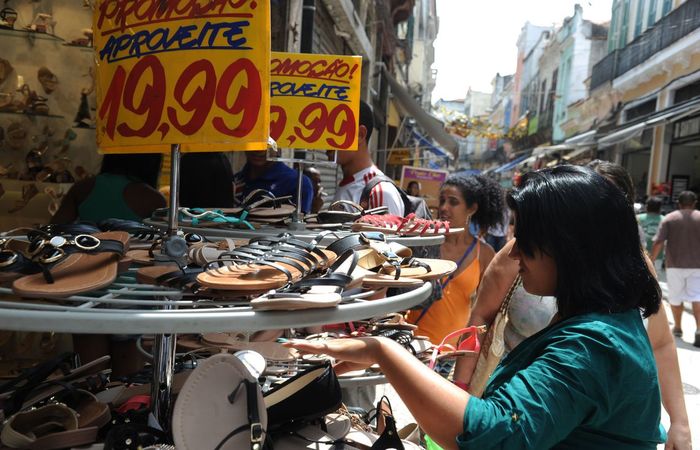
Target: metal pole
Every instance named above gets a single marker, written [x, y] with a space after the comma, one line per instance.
[297, 222]
[173, 248]
[306, 43]
[174, 187]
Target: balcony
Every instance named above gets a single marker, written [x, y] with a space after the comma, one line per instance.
[677, 24]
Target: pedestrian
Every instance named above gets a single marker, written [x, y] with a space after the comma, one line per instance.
[463, 200]
[680, 230]
[586, 381]
[273, 176]
[125, 188]
[650, 221]
[358, 168]
[528, 314]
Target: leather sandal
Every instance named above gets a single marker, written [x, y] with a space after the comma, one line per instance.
[74, 265]
[50, 427]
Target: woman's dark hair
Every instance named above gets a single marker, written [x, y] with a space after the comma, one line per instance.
[206, 181]
[144, 167]
[412, 183]
[585, 223]
[486, 193]
[654, 205]
[617, 174]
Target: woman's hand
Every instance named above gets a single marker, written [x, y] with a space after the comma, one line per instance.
[353, 353]
[678, 438]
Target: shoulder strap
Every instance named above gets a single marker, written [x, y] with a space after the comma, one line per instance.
[509, 295]
[371, 184]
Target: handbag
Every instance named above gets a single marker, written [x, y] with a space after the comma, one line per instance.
[492, 347]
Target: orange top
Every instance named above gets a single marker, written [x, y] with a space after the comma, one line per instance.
[452, 311]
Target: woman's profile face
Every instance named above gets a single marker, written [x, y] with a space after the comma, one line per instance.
[539, 272]
[453, 208]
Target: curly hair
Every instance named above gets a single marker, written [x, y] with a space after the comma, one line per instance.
[486, 193]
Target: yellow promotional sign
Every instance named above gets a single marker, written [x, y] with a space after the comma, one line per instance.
[315, 100]
[399, 156]
[182, 72]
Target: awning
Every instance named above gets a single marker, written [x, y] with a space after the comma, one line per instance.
[425, 143]
[545, 150]
[576, 153]
[582, 139]
[467, 172]
[432, 126]
[511, 164]
[632, 130]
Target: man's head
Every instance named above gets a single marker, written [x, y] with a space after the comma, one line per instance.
[687, 200]
[654, 205]
[364, 132]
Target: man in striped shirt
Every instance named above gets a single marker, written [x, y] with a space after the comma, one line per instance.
[358, 169]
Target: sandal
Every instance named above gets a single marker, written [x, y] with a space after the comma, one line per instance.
[50, 427]
[406, 226]
[337, 213]
[467, 347]
[29, 191]
[73, 265]
[312, 293]
[261, 205]
[265, 264]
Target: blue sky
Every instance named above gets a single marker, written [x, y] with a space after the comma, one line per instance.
[477, 37]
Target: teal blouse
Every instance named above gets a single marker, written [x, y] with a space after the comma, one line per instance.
[588, 382]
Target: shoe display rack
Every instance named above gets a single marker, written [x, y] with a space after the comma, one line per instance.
[304, 235]
[128, 307]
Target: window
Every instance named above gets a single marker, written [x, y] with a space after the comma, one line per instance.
[614, 23]
[643, 109]
[639, 18]
[651, 15]
[625, 24]
[668, 4]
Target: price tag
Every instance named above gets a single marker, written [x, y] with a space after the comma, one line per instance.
[315, 100]
[182, 72]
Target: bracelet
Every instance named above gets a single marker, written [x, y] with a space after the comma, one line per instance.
[461, 384]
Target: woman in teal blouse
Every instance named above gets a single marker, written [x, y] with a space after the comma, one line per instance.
[586, 381]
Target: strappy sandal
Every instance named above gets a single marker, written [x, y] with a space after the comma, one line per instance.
[405, 226]
[266, 263]
[204, 218]
[73, 265]
[338, 213]
[312, 293]
[137, 230]
[262, 205]
[467, 347]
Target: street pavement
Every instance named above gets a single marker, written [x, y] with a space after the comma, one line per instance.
[688, 356]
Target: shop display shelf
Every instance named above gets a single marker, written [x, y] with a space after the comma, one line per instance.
[30, 34]
[128, 307]
[50, 116]
[305, 235]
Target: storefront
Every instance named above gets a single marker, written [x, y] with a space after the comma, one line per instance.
[684, 157]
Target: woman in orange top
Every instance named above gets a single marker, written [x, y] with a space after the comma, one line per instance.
[462, 199]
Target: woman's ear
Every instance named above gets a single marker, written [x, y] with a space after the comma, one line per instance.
[472, 209]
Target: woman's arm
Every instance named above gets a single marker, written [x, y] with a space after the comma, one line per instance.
[497, 279]
[436, 404]
[669, 380]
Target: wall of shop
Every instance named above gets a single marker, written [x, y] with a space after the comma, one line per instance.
[40, 120]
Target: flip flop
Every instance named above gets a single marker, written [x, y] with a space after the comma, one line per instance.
[74, 265]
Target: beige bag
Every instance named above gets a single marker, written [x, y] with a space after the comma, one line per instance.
[492, 346]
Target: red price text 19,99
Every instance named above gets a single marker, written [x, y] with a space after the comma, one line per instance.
[236, 92]
[314, 122]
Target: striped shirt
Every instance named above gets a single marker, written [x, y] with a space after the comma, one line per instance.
[383, 194]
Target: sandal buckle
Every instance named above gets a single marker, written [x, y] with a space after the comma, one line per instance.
[7, 258]
[256, 432]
